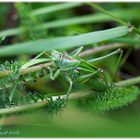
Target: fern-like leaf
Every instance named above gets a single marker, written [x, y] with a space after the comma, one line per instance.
[55, 106]
[114, 98]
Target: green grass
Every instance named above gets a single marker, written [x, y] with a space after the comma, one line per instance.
[30, 101]
[64, 42]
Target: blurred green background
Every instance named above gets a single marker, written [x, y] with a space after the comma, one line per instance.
[72, 121]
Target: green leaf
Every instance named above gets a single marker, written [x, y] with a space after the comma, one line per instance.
[115, 18]
[54, 8]
[37, 46]
[10, 32]
[128, 40]
[114, 98]
[93, 18]
[130, 14]
[34, 62]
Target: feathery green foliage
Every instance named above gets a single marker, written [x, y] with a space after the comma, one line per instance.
[55, 106]
[12, 85]
[114, 98]
[46, 29]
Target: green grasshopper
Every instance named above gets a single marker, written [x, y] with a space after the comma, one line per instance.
[76, 69]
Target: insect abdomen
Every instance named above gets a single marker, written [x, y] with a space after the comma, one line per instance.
[97, 84]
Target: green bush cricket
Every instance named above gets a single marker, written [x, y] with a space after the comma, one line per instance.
[77, 69]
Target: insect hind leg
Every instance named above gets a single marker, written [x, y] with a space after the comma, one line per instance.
[54, 75]
[118, 64]
[118, 51]
[105, 79]
[39, 55]
[77, 51]
[70, 87]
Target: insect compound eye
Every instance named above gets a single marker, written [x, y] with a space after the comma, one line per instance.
[77, 70]
[56, 55]
[59, 56]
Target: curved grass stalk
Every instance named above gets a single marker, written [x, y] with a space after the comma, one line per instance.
[129, 82]
[72, 96]
[53, 8]
[93, 18]
[68, 42]
[96, 6]
[85, 53]
[115, 18]
[41, 103]
[102, 48]
[27, 70]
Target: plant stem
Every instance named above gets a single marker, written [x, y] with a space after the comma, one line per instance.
[97, 7]
[21, 108]
[115, 18]
[72, 96]
[85, 53]
[41, 103]
[27, 70]
[129, 82]
[35, 68]
[103, 48]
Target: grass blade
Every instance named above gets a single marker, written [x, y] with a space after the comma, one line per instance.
[33, 47]
[97, 7]
[115, 18]
[96, 18]
[126, 40]
[54, 8]
[10, 32]
[34, 62]
[130, 14]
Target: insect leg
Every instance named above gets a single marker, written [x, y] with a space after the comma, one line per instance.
[118, 64]
[92, 79]
[36, 60]
[40, 55]
[86, 77]
[77, 51]
[118, 51]
[55, 74]
[99, 84]
[105, 56]
[105, 79]
[70, 86]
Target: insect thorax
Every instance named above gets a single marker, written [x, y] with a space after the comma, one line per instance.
[67, 63]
